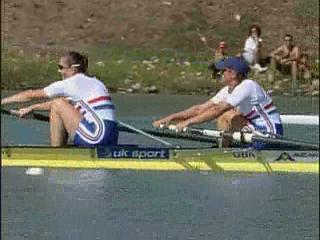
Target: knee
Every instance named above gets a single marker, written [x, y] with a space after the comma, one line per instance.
[231, 121]
[56, 104]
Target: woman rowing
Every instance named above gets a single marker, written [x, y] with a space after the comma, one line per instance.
[81, 106]
[241, 104]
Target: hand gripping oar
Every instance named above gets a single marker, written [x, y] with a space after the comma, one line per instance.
[33, 115]
[246, 137]
[125, 127]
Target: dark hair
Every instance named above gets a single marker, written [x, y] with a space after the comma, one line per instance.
[256, 27]
[288, 35]
[79, 60]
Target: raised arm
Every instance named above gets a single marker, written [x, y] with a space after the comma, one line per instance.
[204, 40]
[276, 51]
[24, 96]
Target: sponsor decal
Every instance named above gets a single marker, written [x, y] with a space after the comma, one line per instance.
[244, 154]
[136, 153]
[306, 154]
[296, 155]
[284, 157]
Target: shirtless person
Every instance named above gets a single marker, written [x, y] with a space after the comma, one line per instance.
[288, 57]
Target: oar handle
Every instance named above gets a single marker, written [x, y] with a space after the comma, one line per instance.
[245, 137]
[237, 136]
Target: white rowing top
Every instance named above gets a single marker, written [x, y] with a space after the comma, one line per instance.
[86, 93]
[250, 49]
[244, 96]
[253, 102]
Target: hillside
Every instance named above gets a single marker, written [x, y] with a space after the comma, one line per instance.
[152, 23]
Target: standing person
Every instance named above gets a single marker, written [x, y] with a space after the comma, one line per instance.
[288, 57]
[81, 106]
[217, 54]
[252, 47]
[242, 103]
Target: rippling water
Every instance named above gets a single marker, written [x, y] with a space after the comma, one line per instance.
[149, 205]
[96, 204]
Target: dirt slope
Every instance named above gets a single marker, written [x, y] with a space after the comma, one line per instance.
[172, 24]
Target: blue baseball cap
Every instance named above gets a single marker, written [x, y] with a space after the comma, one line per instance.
[235, 63]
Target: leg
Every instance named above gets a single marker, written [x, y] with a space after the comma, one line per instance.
[230, 121]
[58, 134]
[294, 70]
[63, 118]
[294, 73]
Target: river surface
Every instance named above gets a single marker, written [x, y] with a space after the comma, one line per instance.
[149, 205]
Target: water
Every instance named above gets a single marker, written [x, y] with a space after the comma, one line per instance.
[150, 205]
[96, 204]
[141, 110]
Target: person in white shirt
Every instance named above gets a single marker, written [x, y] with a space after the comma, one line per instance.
[81, 107]
[241, 104]
[252, 48]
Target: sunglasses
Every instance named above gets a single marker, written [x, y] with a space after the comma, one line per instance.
[61, 67]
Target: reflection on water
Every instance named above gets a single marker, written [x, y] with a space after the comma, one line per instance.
[141, 110]
[149, 205]
[143, 205]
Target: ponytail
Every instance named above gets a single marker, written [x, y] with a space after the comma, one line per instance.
[78, 61]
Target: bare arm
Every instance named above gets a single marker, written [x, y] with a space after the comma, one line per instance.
[24, 96]
[276, 52]
[26, 110]
[204, 40]
[295, 54]
[209, 114]
[183, 115]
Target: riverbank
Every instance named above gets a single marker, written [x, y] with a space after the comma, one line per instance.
[136, 70]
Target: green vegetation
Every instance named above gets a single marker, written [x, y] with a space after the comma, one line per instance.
[122, 68]
[170, 71]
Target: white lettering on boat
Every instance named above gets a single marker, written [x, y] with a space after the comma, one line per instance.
[244, 154]
[306, 154]
[140, 153]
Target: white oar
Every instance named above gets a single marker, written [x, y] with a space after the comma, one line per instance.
[300, 119]
[145, 133]
[247, 137]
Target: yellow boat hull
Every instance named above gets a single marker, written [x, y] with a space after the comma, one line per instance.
[218, 160]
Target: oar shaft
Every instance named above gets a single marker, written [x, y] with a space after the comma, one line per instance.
[145, 134]
[248, 137]
[199, 138]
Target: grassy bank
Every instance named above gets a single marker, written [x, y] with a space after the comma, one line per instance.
[130, 70]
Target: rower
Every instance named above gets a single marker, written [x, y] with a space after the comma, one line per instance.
[241, 105]
[80, 105]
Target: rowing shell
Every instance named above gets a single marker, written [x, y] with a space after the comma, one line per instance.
[163, 159]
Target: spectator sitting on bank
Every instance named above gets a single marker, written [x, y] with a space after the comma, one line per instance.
[217, 54]
[304, 66]
[288, 58]
[252, 47]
